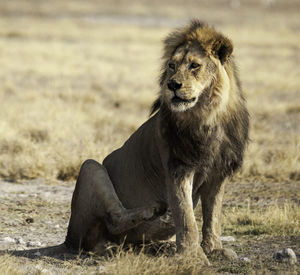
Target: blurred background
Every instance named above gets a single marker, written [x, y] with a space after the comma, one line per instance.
[78, 77]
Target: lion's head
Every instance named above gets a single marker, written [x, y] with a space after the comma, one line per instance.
[194, 62]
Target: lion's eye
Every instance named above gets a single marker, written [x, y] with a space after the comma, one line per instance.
[172, 66]
[194, 65]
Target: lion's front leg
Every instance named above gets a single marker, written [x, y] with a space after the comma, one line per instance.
[211, 199]
[181, 203]
[212, 193]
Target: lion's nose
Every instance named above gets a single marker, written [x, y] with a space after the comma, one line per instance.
[173, 85]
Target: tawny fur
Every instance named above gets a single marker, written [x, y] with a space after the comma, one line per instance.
[195, 138]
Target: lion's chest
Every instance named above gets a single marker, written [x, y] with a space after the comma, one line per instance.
[194, 148]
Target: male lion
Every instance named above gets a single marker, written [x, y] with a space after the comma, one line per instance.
[195, 138]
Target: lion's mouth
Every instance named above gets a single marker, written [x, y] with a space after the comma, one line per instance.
[176, 100]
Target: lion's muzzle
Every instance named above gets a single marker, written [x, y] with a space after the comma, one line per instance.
[173, 85]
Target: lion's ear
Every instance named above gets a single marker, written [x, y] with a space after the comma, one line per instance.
[222, 48]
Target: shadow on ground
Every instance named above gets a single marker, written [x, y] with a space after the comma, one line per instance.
[61, 252]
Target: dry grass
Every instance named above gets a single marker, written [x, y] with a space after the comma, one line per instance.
[77, 90]
[78, 77]
[56, 115]
[131, 262]
[273, 220]
[122, 263]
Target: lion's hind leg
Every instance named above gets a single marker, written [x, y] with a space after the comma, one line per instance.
[130, 218]
[96, 211]
[88, 208]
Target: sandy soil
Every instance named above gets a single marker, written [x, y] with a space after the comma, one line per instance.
[35, 217]
[34, 213]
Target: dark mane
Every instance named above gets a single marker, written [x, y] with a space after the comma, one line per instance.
[155, 106]
[192, 138]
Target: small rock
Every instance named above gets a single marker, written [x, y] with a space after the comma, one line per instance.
[21, 248]
[33, 244]
[225, 253]
[29, 220]
[8, 240]
[245, 259]
[285, 255]
[19, 240]
[38, 253]
[56, 226]
[230, 254]
[227, 239]
[101, 268]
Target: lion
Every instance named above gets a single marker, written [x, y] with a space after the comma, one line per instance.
[195, 138]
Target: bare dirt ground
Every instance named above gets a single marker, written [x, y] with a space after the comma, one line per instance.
[34, 219]
[34, 212]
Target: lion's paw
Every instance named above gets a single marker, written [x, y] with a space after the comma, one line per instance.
[151, 213]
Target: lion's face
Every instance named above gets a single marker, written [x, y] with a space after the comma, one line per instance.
[188, 73]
